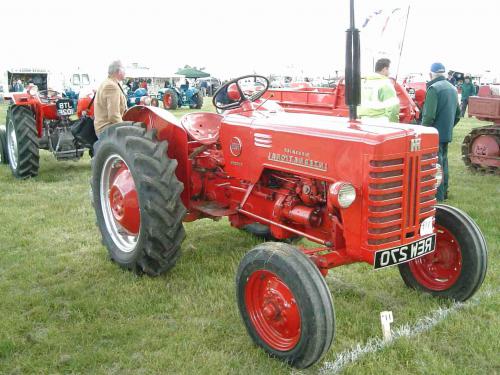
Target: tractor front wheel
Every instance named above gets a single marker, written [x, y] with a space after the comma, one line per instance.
[170, 99]
[456, 269]
[285, 304]
[22, 142]
[3, 146]
[136, 197]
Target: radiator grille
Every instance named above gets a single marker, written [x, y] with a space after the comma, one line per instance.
[401, 194]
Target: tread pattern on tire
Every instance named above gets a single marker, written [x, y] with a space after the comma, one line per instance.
[159, 190]
[3, 146]
[28, 160]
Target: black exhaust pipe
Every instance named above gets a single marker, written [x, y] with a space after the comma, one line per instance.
[352, 69]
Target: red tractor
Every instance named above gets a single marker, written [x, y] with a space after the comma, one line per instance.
[481, 147]
[361, 190]
[364, 192]
[40, 120]
[305, 98]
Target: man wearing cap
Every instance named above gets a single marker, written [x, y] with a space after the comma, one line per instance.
[378, 96]
[441, 110]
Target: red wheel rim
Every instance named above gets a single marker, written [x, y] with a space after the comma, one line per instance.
[167, 100]
[123, 199]
[440, 269]
[273, 310]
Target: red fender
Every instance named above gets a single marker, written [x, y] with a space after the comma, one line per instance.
[169, 129]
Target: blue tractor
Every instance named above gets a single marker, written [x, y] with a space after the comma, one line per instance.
[173, 97]
[140, 96]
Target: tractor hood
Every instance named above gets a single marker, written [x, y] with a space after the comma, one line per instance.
[370, 131]
[326, 147]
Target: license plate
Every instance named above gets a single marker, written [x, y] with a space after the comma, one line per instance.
[404, 253]
[65, 107]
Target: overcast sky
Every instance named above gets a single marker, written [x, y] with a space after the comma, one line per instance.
[231, 38]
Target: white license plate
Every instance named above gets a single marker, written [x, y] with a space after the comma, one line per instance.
[404, 253]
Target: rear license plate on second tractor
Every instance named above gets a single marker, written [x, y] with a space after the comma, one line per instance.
[65, 107]
[405, 253]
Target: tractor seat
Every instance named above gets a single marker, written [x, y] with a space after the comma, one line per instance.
[202, 126]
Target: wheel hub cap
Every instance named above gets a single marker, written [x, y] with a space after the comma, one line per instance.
[273, 310]
[124, 202]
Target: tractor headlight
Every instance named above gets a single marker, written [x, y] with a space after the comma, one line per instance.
[33, 90]
[439, 175]
[342, 194]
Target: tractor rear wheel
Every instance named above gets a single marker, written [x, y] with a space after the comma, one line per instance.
[285, 304]
[199, 101]
[170, 100]
[3, 146]
[196, 101]
[456, 269]
[136, 197]
[22, 142]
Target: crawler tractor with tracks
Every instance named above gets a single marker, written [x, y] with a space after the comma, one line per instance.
[481, 147]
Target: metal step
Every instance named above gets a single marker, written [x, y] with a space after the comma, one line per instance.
[212, 208]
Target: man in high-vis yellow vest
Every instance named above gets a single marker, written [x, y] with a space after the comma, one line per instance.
[378, 96]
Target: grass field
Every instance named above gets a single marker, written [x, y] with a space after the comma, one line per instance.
[65, 308]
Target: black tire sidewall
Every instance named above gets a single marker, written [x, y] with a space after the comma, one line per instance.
[3, 146]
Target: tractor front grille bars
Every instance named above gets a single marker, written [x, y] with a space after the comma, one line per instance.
[401, 194]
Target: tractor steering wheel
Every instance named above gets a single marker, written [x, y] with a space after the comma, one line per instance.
[48, 95]
[233, 93]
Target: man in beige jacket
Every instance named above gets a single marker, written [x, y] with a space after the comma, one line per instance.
[110, 102]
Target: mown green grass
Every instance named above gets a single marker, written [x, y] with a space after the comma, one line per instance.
[65, 308]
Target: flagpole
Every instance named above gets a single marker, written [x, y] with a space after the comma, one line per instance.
[403, 41]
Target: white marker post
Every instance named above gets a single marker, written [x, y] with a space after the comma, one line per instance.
[386, 319]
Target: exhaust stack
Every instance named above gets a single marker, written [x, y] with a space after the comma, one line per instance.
[352, 68]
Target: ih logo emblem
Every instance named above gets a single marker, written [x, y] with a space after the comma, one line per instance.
[415, 143]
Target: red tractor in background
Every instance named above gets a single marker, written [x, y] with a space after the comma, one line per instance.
[40, 120]
[481, 147]
[304, 98]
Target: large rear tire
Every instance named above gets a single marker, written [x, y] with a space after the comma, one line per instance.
[3, 146]
[22, 142]
[136, 197]
[170, 99]
[285, 304]
[456, 269]
[197, 101]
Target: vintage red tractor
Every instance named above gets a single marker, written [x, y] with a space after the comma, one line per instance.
[481, 147]
[362, 190]
[41, 120]
[330, 101]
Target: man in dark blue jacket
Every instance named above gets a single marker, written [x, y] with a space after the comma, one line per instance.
[442, 111]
